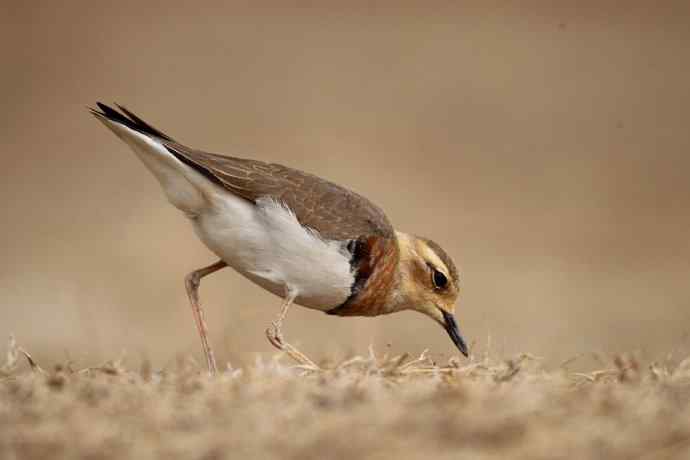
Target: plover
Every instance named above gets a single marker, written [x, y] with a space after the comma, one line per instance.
[301, 237]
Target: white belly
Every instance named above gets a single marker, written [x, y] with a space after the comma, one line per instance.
[267, 244]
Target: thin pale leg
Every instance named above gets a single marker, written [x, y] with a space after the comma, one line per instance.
[192, 282]
[275, 334]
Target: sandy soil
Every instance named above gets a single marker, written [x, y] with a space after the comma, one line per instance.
[366, 407]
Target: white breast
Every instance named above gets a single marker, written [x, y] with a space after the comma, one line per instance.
[267, 244]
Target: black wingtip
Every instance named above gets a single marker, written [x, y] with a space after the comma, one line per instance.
[113, 115]
[105, 108]
[128, 119]
[142, 124]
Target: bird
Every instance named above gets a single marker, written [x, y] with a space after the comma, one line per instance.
[301, 237]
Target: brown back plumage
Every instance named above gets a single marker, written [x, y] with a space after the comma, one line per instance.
[335, 212]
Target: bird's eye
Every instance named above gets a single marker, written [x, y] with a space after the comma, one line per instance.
[439, 279]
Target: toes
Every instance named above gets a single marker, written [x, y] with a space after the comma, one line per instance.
[275, 339]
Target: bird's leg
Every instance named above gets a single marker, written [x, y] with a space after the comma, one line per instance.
[192, 282]
[275, 335]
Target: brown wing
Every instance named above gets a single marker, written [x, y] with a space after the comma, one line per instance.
[334, 211]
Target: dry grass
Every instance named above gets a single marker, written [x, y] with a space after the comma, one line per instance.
[366, 407]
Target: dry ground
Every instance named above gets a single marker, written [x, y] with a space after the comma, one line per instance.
[366, 407]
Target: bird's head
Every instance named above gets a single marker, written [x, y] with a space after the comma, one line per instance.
[429, 283]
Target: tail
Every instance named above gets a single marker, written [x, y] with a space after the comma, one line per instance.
[185, 188]
[128, 119]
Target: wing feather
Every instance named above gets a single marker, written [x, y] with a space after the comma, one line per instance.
[334, 211]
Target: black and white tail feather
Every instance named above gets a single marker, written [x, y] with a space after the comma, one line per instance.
[128, 119]
[187, 188]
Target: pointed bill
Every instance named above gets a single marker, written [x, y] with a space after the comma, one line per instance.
[454, 332]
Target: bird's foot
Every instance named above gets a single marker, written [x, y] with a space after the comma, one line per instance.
[275, 336]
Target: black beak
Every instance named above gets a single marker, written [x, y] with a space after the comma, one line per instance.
[454, 333]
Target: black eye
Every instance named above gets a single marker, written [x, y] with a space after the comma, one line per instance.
[440, 280]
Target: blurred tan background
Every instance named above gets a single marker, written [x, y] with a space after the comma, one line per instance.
[547, 148]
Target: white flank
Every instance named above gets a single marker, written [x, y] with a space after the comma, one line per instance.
[262, 241]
